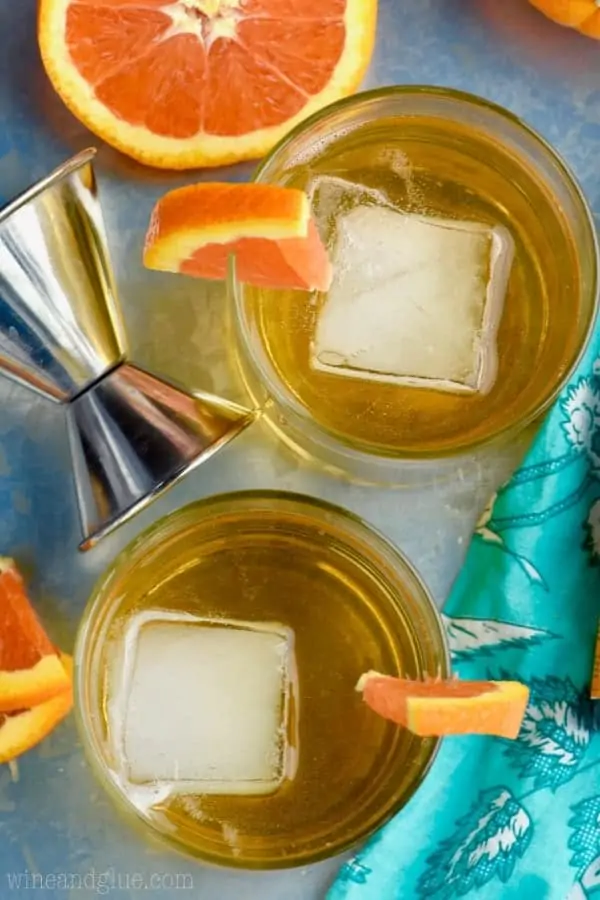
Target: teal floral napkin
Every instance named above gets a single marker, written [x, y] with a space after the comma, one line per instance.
[516, 819]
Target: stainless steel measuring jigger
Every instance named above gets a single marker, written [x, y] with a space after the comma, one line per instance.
[131, 434]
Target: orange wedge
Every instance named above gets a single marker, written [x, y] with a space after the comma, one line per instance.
[436, 708]
[187, 83]
[583, 15]
[268, 229]
[30, 668]
[23, 729]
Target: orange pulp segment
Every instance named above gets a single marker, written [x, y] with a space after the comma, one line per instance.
[23, 729]
[268, 229]
[188, 83]
[436, 708]
[30, 668]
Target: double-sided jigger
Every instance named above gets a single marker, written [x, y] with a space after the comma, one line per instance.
[131, 434]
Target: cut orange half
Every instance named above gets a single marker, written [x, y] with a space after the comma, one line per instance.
[30, 668]
[187, 83]
[434, 708]
[268, 229]
[23, 729]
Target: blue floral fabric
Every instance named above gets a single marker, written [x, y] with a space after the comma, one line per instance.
[516, 819]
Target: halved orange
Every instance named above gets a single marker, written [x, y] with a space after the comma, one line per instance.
[23, 729]
[187, 83]
[30, 668]
[435, 707]
[268, 229]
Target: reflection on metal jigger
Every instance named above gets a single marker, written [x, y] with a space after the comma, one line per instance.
[131, 433]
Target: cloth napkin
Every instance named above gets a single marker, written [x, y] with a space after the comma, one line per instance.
[498, 819]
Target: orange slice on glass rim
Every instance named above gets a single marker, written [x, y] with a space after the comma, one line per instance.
[187, 83]
[435, 707]
[268, 229]
[31, 671]
[23, 729]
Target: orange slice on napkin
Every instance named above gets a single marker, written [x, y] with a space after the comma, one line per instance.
[31, 671]
[187, 83]
[435, 707]
[268, 229]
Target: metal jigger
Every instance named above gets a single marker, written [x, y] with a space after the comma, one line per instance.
[131, 434]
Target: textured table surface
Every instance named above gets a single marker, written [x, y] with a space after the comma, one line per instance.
[54, 822]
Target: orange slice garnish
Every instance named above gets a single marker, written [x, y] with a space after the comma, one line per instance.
[268, 229]
[442, 707]
[30, 668]
[188, 83]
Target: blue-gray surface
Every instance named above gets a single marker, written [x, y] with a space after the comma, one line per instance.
[54, 822]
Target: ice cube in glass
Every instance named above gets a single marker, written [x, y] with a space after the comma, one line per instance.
[415, 300]
[201, 705]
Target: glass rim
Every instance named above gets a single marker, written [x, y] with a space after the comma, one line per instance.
[377, 545]
[288, 402]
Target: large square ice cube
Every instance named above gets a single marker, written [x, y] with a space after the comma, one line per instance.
[202, 704]
[415, 300]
